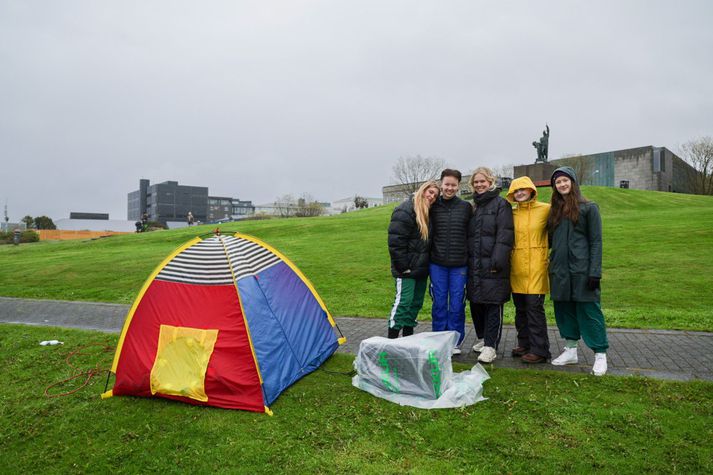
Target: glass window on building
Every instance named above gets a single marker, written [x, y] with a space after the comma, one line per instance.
[659, 161]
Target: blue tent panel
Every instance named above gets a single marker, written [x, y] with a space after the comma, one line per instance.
[289, 329]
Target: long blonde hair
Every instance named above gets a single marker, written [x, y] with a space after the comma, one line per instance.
[420, 205]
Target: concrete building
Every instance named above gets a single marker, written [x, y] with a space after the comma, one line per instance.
[169, 203]
[7, 226]
[398, 193]
[114, 225]
[286, 209]
[642, 168]
[347, 204]
[79, 221]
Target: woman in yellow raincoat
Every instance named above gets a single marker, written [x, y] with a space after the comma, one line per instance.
[528, 271]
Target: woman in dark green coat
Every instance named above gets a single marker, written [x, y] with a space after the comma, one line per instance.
[575, 269]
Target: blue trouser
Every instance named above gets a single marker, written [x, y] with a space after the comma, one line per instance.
[448, 293]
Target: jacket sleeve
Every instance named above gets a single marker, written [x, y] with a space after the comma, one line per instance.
[504, 236]
[594, 236]
[398, 240]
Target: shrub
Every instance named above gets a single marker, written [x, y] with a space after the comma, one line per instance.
[26, 236]
[29, 236]
[154, 226]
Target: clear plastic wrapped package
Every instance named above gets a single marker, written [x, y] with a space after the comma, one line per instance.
[416, 371]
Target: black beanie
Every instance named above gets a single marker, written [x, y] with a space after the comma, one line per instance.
[558, 174]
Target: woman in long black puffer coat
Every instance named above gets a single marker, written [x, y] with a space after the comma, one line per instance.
[490, 241]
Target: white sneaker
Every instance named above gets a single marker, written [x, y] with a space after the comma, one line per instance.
[479, 344]
[456, 351]
[600, 364]
[487, 355]
[568, 356]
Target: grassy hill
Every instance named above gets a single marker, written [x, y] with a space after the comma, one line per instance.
[658, 252]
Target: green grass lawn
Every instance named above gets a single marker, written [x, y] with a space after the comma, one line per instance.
[658, 252]
[532, 422]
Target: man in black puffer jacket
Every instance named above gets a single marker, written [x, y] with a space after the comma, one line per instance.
[449, 257]
[490, 241]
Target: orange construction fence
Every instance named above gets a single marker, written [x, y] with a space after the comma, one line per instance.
[62, 235]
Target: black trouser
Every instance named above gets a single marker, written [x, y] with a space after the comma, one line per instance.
[531, 323]
[488, 322]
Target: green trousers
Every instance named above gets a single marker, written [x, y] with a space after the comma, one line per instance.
[408, 302]
[585, 320]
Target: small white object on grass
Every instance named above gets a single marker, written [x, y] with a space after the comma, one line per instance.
[51, 342]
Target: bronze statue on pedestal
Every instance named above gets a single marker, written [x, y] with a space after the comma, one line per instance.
[543, 145]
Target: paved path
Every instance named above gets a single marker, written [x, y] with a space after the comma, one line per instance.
[664, 354]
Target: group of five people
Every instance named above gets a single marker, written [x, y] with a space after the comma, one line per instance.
[495, 248]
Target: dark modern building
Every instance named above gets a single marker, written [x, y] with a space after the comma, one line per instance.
[223, 208]
[169, 201]
[242, 209]
[219, 208]
[79, 215]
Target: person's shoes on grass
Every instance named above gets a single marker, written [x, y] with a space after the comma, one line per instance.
[531, 358]
[479, 344]
[487, 355]
[600, 364]
[568, 356]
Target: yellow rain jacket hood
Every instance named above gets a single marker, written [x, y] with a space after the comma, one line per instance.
[528, 274]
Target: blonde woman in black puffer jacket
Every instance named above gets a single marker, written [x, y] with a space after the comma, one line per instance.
[409, 231]
[490, 240]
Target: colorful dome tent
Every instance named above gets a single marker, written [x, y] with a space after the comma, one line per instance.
[226, 321]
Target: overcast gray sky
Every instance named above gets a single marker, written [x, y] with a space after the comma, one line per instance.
[256, 99]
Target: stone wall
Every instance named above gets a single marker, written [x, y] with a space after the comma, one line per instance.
[684, 176]
[536, 171]
[636, 167]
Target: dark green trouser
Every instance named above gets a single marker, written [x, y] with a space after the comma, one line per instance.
[585, 320]
[408, 302]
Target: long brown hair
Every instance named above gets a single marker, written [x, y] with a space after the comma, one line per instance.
[420, 205]
[565, 207]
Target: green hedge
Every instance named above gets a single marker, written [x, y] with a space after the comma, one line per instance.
[27, 236]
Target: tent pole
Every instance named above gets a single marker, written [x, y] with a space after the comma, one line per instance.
[108, 374]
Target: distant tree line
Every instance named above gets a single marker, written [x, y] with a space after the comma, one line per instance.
[40, 222]
[287, 206]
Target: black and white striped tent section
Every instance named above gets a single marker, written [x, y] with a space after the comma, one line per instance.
[209, 262]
